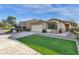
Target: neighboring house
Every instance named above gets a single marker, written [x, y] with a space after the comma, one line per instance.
[26, 24]
[52, 25]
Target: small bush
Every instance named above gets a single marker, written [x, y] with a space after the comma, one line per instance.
[60, 30]
[77, 29]
[18, 30]
[44, 31]
[72, 30]
[8, 32]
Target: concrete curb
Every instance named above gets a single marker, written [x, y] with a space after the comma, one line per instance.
[53, 36]
[77, 43]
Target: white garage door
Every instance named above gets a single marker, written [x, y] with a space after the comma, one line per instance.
[37, 28]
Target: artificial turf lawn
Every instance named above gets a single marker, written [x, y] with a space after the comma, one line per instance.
[48, 45]
[43, 50]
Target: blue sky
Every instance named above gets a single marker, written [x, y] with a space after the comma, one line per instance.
[25, 12]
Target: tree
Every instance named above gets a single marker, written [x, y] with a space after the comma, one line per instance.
[1, 24]
[5, 24]
[11, 20]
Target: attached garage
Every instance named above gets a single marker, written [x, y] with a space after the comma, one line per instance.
[37, 28]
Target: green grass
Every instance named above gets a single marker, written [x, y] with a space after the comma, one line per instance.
[43, 50]
[50, 46]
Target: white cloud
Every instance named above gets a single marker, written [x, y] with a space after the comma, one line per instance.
[45, 8]
[71, 12]
[68, 11]
[37, 8]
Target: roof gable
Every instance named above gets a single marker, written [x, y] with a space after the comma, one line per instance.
[59, 20]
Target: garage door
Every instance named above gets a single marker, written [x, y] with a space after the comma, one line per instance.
[37, 28]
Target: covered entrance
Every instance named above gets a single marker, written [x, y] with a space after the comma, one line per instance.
[24, 28]
[67, 27]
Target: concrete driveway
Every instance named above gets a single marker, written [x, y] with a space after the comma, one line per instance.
[13, 47]
[21, 34]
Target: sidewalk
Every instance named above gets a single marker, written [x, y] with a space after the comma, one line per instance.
[13, 47]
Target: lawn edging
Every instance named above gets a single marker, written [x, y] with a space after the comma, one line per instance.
[21, 34]
[55, 36]
[77, 43]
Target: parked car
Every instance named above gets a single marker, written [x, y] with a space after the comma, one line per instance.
[13, 30]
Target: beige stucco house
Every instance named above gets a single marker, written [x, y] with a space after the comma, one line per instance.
[61, 25]
[39, 25]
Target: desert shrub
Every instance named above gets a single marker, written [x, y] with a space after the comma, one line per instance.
[76, 29]
[18, 30]
[60, 30]
[72, 30]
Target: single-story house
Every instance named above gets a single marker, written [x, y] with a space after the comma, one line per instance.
[60, 25]
[52, 25]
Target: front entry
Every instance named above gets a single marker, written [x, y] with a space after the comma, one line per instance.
[24, 28]
[67, 27]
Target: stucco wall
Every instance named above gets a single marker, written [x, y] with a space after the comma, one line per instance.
[62, 26]
[70, 26]
[52, 31]
[45, 25]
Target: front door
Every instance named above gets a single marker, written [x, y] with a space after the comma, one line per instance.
[67, 27]
[24, 28]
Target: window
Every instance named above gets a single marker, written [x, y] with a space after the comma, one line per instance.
[52, 25]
